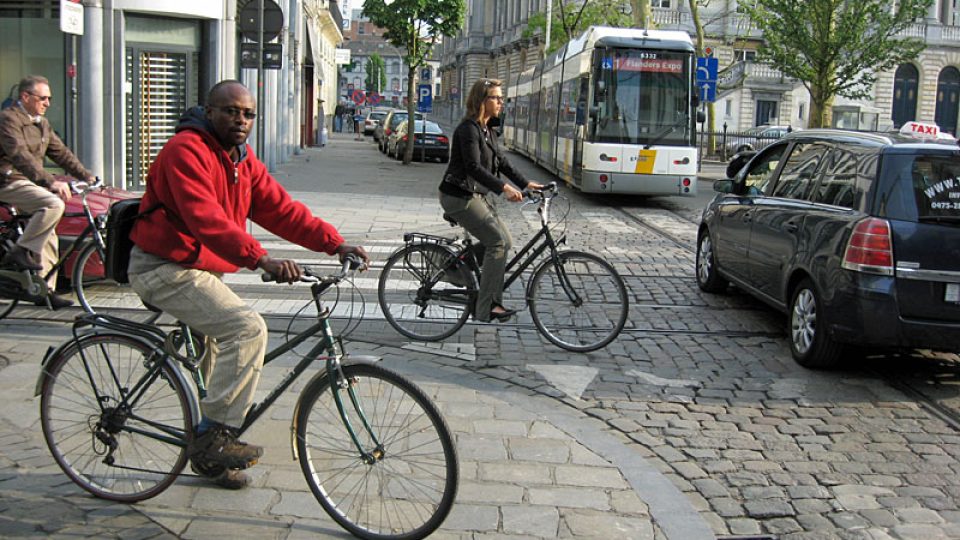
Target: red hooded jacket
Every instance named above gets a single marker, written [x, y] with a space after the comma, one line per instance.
[201, 202]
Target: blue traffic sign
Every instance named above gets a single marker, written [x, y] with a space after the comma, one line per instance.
[708, 91]
[706, 69]
[707, 79]
[425, 98]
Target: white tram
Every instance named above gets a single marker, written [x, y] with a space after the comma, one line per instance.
[613, 111]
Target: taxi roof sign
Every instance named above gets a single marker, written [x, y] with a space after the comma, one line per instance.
[924, 131]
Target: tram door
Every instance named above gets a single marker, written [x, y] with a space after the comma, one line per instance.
[580, 129]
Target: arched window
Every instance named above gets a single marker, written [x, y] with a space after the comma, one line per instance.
[905, 85]
[948, 95]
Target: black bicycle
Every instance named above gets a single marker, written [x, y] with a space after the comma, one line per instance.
[577, 300]
[119, 402]
[86, 258]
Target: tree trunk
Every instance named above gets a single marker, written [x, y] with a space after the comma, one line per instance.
[642, 13]
[821, 108]
[411, 115]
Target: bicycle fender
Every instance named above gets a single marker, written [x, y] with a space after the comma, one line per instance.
[318, 379]
[51, 352]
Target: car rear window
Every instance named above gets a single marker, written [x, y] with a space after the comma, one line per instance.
[925, 187]
[936, 187]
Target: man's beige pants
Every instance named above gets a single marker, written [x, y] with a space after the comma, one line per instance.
[45, 210]
[237, 335]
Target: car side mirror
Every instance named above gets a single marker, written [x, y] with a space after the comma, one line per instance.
[724, 186]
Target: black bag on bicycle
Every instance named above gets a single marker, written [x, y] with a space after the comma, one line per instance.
[123, 214]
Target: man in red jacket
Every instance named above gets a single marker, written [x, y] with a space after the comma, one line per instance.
[201, 189]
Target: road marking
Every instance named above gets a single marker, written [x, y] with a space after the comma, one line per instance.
[571, 380]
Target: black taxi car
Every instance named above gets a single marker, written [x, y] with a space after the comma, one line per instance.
[855, 236]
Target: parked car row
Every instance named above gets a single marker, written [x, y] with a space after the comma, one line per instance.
[390, 133]
[855, 236]
[429, 141]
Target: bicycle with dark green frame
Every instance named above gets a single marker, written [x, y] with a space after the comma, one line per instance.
[577, 300]
[119, 403]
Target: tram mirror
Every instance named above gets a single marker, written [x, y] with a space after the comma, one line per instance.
[701, 117]
[601, 89]
[594, 112]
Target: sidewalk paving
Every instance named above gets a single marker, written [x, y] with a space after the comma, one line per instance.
[529, 469]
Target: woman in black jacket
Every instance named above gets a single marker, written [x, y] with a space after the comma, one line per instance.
[475, 163]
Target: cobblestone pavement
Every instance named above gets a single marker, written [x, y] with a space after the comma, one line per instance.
[699, 390]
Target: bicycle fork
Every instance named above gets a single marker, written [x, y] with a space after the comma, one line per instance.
[338, 383]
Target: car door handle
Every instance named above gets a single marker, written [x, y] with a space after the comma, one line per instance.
[747, 217]
[791, 226]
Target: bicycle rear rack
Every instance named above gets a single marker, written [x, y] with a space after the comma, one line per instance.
[412, 237]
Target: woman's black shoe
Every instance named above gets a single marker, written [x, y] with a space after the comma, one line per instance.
[502, 315]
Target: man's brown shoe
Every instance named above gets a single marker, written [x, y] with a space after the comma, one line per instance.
[219, 446]
[56, 301]
[225, 478]
[20, 257]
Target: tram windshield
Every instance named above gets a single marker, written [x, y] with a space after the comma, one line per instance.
[641, 97]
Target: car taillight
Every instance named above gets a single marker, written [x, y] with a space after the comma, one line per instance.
[404, 138]
[870, 248]
[442, 139]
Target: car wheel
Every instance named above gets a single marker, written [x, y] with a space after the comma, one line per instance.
[708, 279]
[810, 343]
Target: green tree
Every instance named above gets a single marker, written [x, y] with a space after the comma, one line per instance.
[835, 47]
[376, 80]
[572, 18]
[414, 26]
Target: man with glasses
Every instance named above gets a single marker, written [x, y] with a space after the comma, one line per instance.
[201, 189]
[25, 139]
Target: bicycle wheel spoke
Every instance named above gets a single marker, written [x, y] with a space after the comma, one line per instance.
[408, 486]
[105, 429]
[580, 304]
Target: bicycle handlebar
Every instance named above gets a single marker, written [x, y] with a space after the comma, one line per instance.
[349, 264]
[79, 186]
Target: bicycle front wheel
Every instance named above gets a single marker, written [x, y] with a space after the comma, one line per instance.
[416, 306]
[403, 484]
[115, 420]
[578, 302]
[97, 294]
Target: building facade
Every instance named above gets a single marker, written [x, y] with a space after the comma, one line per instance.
[121, 86]
[364, 39]
[493, 43]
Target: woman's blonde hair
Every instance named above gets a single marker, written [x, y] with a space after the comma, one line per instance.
[478, 93]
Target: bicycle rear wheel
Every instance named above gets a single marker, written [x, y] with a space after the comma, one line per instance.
[415, 307]
[402, 488]
[115, 421]
[579, 304]
[98, 294]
